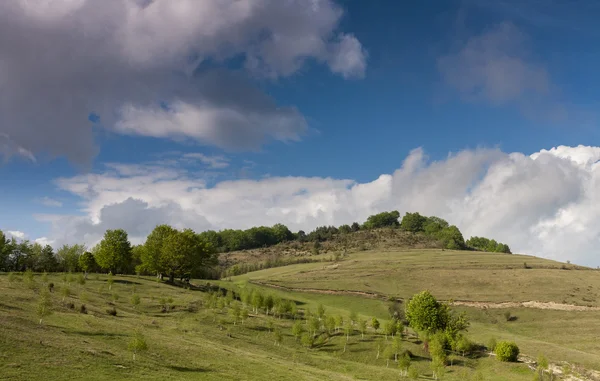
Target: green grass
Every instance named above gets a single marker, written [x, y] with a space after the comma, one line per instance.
[467, 276]
[186, 342]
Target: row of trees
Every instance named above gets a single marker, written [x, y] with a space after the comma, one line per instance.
[168, 251]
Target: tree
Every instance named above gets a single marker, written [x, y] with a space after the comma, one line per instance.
[297, 329]
[426, 314]
[184, 253]
[437, 347]
[114, 251]
[413, 222]
[507, 351]
[47, 261]
[355, 226]
[389, 328]
[278, 336]
[348, 330]
[404, 364]
[397, 346]
[44, 307]
[153, 249]
[375, 324]
[87, 262]
[380, 220]
[282, 233]
[307, 340]
[330, 324]
[362, 326]
[4, 251]
[452, 238]
[137, 343]
[68, 257]
[387, 354]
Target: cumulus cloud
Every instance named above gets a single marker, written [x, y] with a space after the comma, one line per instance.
[133, 64]
[544, 204]
[497, 67]
[16, 234]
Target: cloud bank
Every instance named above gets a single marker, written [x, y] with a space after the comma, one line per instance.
[545, 204]
[160, 68]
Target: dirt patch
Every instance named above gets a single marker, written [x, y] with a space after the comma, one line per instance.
[530, 304]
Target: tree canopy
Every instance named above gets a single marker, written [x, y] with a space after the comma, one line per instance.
[114, 251]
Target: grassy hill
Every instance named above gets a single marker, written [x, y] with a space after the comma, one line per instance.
[563, 325]
[188, 337]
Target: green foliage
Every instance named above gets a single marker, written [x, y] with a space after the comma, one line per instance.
[486, 244]
[375, 324]
[81, 279]
[114, 251]
[44, 306]
[135, 300]
[426, 314]
[381, 220]
[153, 248]
[137, 343]
[65, 292]
[362, 327]
[413, 372]
[451, 238]
[87, 262]
[184, 252]
[307, 340]
[413, 222]
[297, 329]
[68, 257]
[321, 311]
[507, 351]
[45, 277]
[438, 345]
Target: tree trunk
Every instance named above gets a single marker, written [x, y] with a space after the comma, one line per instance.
[171, 277]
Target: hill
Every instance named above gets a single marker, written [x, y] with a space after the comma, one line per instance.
[194, 334]
[554, 307]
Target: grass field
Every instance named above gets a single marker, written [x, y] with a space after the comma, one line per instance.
[469, 276]
[186, 342]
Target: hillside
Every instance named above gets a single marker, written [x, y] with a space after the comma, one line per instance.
[555, 307]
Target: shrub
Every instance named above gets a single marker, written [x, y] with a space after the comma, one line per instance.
[70, 305]
[135, 300]
[83, 309]
[507, 351]
[112, 311]
[51, 287]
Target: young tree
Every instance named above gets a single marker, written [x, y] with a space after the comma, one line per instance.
[297, 329]
[348, 330]
[413, 373]
[235, 313]
[244, 314]
[404, 364]
[330, 324]
[375, 324]
[389, 328]
[339, 322]
[438, 369]
[47, 261]
[353, 317]
[426, 314]
[87, 263]
[307, 340]
[65, 291]
[314, 324]
[507, 351]
[114, 251]
[321, 311]
[387, 354]
[278, 336]
[137, 343]
[110, 280]
[362, 326]
[135, 300]
[397, 346]
[44, 307]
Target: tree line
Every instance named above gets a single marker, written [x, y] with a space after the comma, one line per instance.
[173, 253]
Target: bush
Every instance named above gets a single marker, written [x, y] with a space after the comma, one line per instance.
[51, 287]
[70, 305]
[507, 351]
[83, 309]
[112, 311]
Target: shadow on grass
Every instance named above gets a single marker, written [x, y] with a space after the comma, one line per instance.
[187, 369]
[93, 334]
[122, 281]
[7, 307]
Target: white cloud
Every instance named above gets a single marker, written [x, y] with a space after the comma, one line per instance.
[544, 204]
[16, 234]
[124, 60]
[214, 162]
[44, 241]
[49, 202]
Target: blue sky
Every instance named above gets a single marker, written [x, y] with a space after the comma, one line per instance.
[265, 120]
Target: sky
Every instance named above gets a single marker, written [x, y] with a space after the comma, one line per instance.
[235, 113]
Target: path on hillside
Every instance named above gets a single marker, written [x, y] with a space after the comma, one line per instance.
[483, 305]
